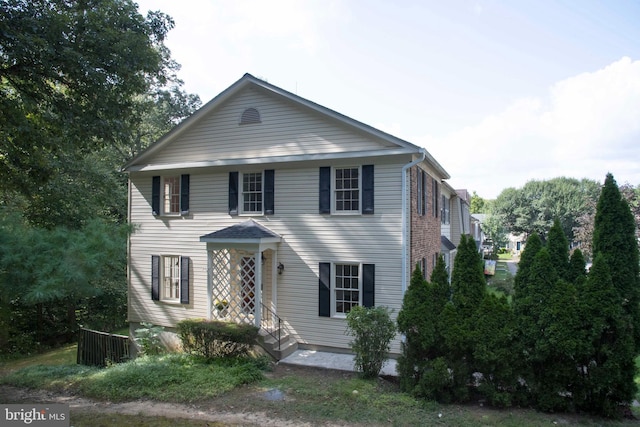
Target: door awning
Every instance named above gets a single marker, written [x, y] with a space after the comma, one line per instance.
[446, 245]
[247, 232]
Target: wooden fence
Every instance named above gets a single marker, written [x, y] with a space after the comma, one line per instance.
[99, 348]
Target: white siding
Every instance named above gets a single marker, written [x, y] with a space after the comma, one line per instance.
[308, 239]
[286, 129]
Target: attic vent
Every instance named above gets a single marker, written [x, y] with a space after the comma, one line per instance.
[249, 116]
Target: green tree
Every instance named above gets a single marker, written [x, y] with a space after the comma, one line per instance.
[577, 267]
[69, 73]
[478, 204]
[606, 355]
[546, 318]
[467, 279]
[458, 317]
[614, 237]
[531, 249]
[495, 339]
[419, 327]
[534, 207]
[420, 322]
[46, 275]
[558, 247]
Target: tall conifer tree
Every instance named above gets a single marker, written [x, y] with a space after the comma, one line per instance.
[558, 247]
[614, 237]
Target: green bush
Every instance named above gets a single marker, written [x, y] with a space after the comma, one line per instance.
[211, 339]
[148, 338]
[373, 330]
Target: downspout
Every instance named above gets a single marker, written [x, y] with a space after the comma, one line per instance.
[405, 240]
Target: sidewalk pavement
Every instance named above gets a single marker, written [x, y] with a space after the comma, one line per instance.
[338, 361]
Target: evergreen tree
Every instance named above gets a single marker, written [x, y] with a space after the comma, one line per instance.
[577, 266]
[606, 357]
[558, 247]
[440, 283]
[546, 324]
[533, 245]
[493, 351]
[614, 237]
[467, 279]
[419, 328]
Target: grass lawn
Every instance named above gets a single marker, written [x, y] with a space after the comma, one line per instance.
[312, 396]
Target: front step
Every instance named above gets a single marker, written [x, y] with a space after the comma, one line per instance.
[287, 344]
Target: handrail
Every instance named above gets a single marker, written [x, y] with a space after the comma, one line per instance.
[271, 323]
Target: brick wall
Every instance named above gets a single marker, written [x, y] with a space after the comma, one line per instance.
[424, 229]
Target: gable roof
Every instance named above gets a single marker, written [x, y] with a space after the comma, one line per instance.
[403, 147]
[248, 231]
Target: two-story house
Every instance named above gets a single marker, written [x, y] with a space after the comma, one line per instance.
[264, 207]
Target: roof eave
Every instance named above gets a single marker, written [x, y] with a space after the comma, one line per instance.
[267, 160]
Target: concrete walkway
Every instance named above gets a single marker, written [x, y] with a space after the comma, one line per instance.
[337, 361]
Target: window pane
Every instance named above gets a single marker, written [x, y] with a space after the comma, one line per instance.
[347, 290]
[171, 194]
[171, 277]
[252, 192]
[347, 189]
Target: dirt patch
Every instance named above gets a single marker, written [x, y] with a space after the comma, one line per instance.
[232, 409]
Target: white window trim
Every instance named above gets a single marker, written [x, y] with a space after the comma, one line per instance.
[163, 196]
[241, 210]
[163, 293]
[333, 191]
[334, 313]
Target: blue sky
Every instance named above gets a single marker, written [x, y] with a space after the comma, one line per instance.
[499, 92]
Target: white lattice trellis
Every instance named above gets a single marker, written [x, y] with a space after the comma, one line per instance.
[233, 285]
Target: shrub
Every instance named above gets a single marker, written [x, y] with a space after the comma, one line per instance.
[373, 330]
[211, 339]
[148, 338]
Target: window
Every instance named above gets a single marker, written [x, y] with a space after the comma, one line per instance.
[346, 287]
[343, 286]
[171, 193]
[170, 278]
[252, 193]
[434, 198]
[445, 210]
[347, 190]
[421, 192]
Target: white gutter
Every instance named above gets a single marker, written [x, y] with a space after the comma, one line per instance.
[405, 240]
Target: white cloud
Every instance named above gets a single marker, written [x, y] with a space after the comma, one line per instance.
[218, 41]
[584, 127]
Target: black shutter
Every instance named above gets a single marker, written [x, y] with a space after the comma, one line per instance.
[184, 280]
[233, 193]
[367, 189]
[155, 277]
[155, 195]
[184, 195]
[425, 192]
[368, 285]
[269, 192]
[324, 290]
[419, 190]
[325, 189]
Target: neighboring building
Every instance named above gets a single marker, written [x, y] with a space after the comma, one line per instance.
[263, 206]
[455, 221]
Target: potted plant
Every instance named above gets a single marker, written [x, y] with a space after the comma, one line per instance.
[222, 305]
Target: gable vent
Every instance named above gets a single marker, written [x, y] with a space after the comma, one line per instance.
[249, 116]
